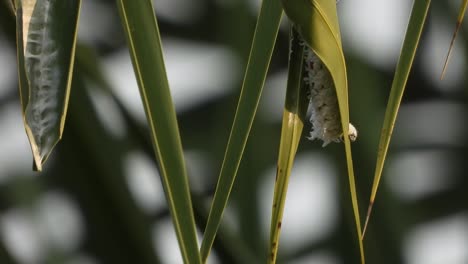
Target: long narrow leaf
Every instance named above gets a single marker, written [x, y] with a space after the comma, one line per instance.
[46, 35]
[317, 22]
[461, 15]
[254, 78]
[144, 42]
[293, 121]
[408, 51]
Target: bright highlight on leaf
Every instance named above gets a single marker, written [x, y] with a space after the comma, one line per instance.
[46, 35]
[461, 15]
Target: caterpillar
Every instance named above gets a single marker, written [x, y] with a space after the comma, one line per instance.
[325, 113]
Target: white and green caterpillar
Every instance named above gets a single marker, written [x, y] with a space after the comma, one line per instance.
[325, 113]
[314, 19]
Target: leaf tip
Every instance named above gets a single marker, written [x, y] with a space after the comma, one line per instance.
[369, 211]
[457, 27]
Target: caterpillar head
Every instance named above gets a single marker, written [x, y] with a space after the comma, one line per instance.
[352, 133]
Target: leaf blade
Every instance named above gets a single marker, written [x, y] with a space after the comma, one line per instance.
[254, 78]
[144, 42]
[295, 109]
[408, 51]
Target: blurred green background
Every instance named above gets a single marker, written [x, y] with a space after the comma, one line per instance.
[100, 200]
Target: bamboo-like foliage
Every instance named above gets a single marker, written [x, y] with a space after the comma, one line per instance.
[46, 35]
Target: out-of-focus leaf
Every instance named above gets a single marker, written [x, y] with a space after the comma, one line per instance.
[408, 51]
[144, 41]
[294, 113]
[46, 34]
[254, 78]
[317, 22]
[5, 256]
[121, 232]
[461, 15]
[11, 5]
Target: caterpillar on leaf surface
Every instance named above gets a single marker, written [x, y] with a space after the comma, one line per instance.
[325, 113]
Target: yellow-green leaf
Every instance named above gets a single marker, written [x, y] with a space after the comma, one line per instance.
[254, 78]
[317, 22]
[408, 51]
[461, 15]
[46, 33]
[294, 113]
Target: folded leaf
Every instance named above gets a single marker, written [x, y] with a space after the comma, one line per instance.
[317, 22]
[46, 33]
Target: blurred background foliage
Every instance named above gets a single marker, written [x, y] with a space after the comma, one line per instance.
[100, 200]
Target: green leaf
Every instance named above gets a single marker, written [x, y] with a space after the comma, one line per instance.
[317, 22]
[46, 33]
[144, 42]
[254, 78]
[461, 15]
[408, 51]
[295, 109]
